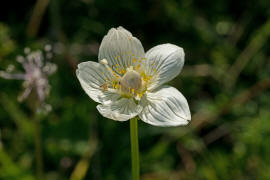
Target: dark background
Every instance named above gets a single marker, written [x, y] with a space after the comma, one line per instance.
[226, 80]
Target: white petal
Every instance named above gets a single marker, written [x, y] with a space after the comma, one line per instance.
[164, 62]
[120, 48]
[165, 107]
[91, 76]
[120, 110]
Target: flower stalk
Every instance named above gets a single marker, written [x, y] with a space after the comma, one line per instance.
[38, 148]
[135, 160]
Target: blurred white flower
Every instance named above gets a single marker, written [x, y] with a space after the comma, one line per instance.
[128, 82]
[36, 73]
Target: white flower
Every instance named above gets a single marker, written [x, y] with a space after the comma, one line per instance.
[128, 82]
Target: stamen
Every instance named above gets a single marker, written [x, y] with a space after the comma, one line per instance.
[104, 62]
[143, 59]
[104, 87]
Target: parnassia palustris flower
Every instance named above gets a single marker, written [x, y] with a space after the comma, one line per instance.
[128, 82]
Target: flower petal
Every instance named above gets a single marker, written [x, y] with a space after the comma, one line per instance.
[120, 110]
[120, 48]
[164, 62]
[7, 75]
[92, 76]
[165, 107]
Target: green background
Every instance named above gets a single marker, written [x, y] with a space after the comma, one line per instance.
[226, 80]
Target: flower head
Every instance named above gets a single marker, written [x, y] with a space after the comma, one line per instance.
[36, 73]
[128, 82]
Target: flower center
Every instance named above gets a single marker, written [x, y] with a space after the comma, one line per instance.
[131, 82]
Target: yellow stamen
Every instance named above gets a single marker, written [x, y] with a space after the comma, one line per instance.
[104, 86]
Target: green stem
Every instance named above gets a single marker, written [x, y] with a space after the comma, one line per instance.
[135, 161]
[38, 148]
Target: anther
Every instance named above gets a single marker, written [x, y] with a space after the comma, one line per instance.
[104, 61]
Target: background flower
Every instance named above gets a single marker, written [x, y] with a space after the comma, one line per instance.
[35, 77]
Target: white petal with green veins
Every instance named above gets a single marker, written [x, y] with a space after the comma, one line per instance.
[165, 107]
[92, 77]
[120, 49]
[120, 110]
[164, 62]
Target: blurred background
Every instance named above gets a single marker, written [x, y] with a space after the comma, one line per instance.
[226, 80]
